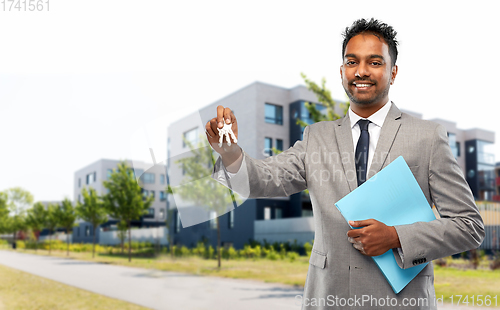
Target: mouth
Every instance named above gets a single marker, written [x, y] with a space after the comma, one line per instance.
[362, 86]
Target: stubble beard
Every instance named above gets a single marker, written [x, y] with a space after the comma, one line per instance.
[368, 101]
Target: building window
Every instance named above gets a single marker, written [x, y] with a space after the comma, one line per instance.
[80, 198]
[163, 196]
[148, 178]
[452, 141]
[151, 213]
[268, 146]
[231, 219]
[108, 173]
[162, 214]
[162, 179]
[279, 144]
[213, 219]
[274, 114]
[191, 136]
[91, 178]
[278, 213]
[267, 213]
[138, 173]
[178, 222]
[87, 231]
[79, 182]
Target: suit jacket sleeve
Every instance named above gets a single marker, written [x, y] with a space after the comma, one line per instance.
[460, 227]
[276, 176]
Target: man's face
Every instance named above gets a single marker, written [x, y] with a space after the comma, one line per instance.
[366, 70]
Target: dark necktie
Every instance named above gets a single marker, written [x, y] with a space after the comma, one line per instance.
[361, 156]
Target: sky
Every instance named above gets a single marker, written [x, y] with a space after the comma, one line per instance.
[103, 79]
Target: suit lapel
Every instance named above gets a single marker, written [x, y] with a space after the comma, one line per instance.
[387, 135]
[343, 133]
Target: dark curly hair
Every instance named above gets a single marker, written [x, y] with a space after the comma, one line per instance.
[377, 28]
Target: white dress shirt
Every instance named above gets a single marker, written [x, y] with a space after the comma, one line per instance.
[377, 120]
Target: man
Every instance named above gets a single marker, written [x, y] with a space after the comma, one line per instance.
[342, 274]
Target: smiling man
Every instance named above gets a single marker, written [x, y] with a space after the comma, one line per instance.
[372, 134]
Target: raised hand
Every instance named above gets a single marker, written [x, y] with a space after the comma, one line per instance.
[222, 134]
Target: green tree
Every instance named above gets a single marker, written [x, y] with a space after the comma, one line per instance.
[125, 200]
[203, 191]
[18, 201]
[91, 210]
[52, 221]
[4, 212]
[36, 219]
[122, 233]
[67, 216]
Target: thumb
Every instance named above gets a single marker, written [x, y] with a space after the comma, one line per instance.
[358, 223]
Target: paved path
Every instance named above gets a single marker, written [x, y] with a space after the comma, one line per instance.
[161, 290]
[156, 289]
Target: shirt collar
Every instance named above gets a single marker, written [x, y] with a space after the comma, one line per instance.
[376, 118]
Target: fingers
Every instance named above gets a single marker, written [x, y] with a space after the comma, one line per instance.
[362, 223]
[209, 130]
[213, 125]
[220, 116]
[227, 115]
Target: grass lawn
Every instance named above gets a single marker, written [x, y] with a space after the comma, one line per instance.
[448, 281]
[21, 290]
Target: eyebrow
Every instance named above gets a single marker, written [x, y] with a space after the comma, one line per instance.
[370, 57]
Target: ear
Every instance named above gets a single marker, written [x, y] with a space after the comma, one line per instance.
[394, 72]
[341, 72]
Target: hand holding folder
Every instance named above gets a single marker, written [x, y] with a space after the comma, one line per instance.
[392, 197]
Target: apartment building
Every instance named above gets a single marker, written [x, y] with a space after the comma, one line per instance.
[153, 181]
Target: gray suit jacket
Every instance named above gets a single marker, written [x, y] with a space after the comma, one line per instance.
[323, 162]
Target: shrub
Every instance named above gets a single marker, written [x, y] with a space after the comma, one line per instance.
[292, 256]
[308, 248]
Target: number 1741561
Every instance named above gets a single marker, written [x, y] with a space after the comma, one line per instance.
[24, 5]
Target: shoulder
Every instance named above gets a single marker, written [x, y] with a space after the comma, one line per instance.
[418, 125]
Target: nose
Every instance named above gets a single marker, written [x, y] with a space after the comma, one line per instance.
[362, 70]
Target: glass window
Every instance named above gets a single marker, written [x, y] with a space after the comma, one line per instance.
[163, 196]
[151, 212]
[178, 222]
[162, 179]
[90, 178]
[279, 144]
[191, 136]
[485, 153]
[274, 114]
[486, 176]
[87, 231]
[213, 219]
[452, 141]
[108, 173]
[162, 214]
[268, 146]
[148, 178]
[231, 219]
[267, 213]
[79, 182]
[279, 213]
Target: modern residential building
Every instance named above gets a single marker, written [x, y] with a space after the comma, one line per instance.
[267, 117]
[497, 182]
[153, 181]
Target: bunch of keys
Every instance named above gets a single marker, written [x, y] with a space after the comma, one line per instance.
[226, 131]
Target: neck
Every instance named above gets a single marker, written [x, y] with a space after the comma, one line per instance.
[366, 111]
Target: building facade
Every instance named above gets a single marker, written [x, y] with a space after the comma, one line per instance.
[153, 182]
[267, 117]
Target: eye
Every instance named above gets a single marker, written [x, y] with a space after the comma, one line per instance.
[350, 62]
[376, 63]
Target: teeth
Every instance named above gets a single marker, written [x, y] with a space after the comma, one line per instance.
[363, 85]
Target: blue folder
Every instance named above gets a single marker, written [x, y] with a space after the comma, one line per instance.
[393, 197]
